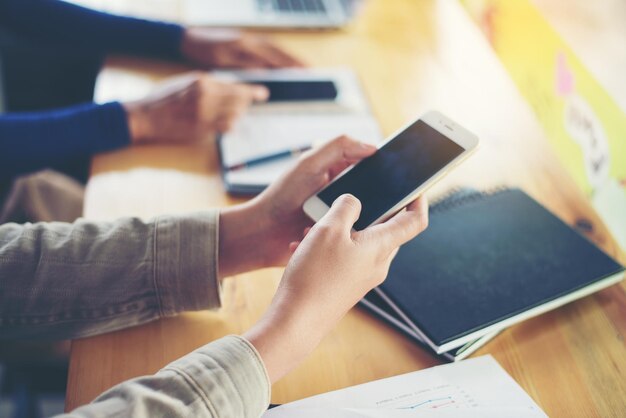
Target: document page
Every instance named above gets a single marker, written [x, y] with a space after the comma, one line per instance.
[472, 388]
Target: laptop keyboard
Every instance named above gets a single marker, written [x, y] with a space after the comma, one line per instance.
[294, 6]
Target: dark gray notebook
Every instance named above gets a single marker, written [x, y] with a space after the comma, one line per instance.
[488, 261]
[375, 304]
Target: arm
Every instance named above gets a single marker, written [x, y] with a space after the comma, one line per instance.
[58, 22]
[226, 378]
[329, 271]
[64, 281]
[33, 141]
[180, 109]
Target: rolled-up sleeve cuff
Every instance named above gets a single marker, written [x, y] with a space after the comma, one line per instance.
[229, 375]
[185, 262]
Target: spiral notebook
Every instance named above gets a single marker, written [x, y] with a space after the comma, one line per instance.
[486, 262]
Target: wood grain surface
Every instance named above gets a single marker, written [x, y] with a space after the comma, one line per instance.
[411, 56]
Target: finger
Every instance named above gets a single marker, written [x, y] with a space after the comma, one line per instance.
[227, 110]
[264, 55]
[248, 57]
[293, 246]
[259, 93]
[338, 150]
[266, 58]
[402, 227]
[226, 122]
[277, 57]
[306, 231]
[285, 59]
[243, 95]
[223, 127]
[230, 113]
[344, 212]
[230, 116]
[338, 169]
[223, 123]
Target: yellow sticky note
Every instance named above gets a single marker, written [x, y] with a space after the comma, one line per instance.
[581, 120]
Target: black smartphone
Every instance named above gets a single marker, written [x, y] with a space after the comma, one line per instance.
[298, 90]
[407, 164]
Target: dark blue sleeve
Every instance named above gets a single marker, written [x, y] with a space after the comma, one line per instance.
[33, 141]
[58, 22]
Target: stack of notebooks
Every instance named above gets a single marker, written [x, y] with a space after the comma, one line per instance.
[487, 261]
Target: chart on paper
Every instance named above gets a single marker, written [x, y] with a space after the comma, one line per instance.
[475, 387]
[442, 396]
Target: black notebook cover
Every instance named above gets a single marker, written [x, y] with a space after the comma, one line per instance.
[485, 259]
[375, 304]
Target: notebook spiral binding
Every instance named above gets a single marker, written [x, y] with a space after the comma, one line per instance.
[460, 195]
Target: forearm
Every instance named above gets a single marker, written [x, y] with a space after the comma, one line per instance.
[64, 281]
[243, 243]
[257, 235]
[36, 140]
[285, 336]
[58, 22]
[223, 379]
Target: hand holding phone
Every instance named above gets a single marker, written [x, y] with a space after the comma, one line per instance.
[403, 168]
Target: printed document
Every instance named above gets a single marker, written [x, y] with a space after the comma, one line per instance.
[477, 387]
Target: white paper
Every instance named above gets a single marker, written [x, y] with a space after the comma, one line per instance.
[473, 388]
[257, 136]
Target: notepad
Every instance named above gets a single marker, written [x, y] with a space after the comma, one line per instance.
[488, 261]
[271, 128]
[473, 388]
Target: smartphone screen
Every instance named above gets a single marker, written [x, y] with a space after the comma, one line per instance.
[394, 172]
[298, 90]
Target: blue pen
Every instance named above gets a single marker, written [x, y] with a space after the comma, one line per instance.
[269, 158]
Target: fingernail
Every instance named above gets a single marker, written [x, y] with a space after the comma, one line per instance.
[264, 90]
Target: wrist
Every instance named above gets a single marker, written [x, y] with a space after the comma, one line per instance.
[283, 337]
[138, 126]
[187, 43]
[244, 231]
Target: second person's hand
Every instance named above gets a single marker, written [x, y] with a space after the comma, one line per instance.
[184, 108]
[227, 48]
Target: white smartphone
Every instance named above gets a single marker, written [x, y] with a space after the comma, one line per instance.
[404, 166]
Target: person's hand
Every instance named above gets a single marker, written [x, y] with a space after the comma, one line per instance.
[221, 48]
[263, 228]
[332, 268]
[183, 108]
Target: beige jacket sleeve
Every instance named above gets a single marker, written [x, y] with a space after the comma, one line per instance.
[60, 280]
[223, 379]
[71, 280]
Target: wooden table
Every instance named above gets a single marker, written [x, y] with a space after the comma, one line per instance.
[411, 56]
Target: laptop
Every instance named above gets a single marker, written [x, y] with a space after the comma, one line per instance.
[286, 14]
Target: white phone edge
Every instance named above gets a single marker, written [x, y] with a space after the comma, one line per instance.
[315, 208]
